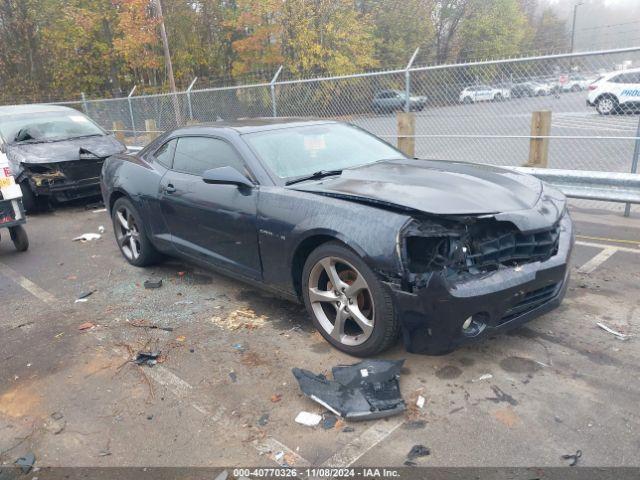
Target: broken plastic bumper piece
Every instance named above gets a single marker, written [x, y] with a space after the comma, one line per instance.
[364, 391]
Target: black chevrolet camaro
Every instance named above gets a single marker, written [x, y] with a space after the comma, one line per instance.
[375, 244]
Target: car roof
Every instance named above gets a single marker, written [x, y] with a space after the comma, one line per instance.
[7, 110]
[626, 70]
[250, 125]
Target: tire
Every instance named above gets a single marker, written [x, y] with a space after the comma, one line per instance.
[19, 238]
[497, 97]
[131, 234]
[371, 303]
[576, 88]
[467, 100]
[607, 104]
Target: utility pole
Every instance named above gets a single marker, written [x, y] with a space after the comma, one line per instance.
[573, 25]
[167, 61]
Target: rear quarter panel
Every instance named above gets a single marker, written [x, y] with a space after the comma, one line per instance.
[132, 176]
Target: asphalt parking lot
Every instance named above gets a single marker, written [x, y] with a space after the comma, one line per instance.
[224, 393]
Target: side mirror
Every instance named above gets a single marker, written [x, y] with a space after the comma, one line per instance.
[226, 176]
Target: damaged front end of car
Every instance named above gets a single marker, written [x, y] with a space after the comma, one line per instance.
[63, 181]
[466, 277]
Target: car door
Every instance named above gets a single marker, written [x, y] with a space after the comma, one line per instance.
[629, 88]
[212, 223]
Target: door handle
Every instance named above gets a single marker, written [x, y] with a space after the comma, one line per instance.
[170, 189]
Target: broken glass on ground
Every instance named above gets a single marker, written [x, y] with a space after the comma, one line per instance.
[364, 391]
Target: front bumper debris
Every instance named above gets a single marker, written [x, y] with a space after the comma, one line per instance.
[364, 391]
[432, 316]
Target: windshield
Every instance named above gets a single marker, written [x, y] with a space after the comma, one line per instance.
[300, 151]
[46, 127]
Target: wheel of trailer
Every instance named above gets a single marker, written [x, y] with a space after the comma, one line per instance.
[606, 105]
[466, 100]
[19, 238]
[346, 301]
[131, 234]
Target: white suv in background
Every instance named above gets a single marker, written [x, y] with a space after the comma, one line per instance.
[615, 92]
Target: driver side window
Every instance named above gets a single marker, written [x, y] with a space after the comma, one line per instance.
[195, 155]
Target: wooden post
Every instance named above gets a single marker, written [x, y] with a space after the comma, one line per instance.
[406, 132]
[151, 128]
[118, 126]
[539, 147]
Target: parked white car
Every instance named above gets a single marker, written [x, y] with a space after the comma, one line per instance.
[480, 93]
[576, 83]
[615, 92]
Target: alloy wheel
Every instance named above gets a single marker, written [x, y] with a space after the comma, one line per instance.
[341, 301]
[127, 233]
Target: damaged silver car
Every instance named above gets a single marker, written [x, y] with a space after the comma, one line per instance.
[55, 153]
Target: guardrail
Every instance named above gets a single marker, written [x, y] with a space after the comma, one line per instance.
[605, 186]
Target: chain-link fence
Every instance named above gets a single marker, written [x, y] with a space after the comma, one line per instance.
[475, 112]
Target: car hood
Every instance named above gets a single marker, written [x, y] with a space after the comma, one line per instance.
[65, 150]
[434, 187]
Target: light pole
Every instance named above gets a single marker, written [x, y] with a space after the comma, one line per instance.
[573, 25]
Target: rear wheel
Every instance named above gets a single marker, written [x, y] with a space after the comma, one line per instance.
[131, 234]
[606, 105]
[497, 97]
[19, 237]
[346, 301]
[30, 202]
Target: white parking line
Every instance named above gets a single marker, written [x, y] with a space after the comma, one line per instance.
[27, 284]
[168, 379]
[600, 245]
[355, 449]
[598, 260]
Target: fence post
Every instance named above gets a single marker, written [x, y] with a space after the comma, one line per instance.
[634, 165]
[539, 147]
[151, 127]
[407, 82]
[118, 130]
[84, 104]
[406, 133]
[133, 122]
[272, 86]
[189, 98]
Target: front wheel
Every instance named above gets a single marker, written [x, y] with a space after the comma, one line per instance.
[346, 301]
[131, 234]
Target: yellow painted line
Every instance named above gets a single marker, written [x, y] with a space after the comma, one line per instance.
[613, 240]
[27, 284]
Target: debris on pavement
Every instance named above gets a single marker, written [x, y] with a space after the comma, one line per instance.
[420, 401]
[150, 326]
[486, 376]
[26, 463]
[147, 358]
[367, 390]
[573, 457]
[86, 294]
[276, 397]
[415, 425]
[308, 419]
[153, 283]
[233, 377]
[501, 396]
[329, 421]
[241, 319]
[416, 452]
[87, 237]
[348, 430]
[57, 423]
[86, 326]
[263, 420]
[619, 335]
